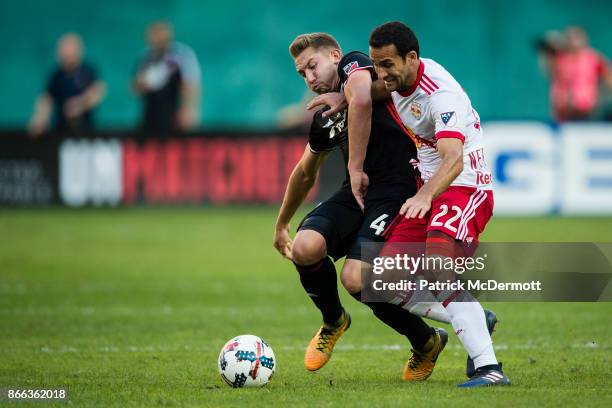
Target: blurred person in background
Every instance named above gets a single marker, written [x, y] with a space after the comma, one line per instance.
[168, 80]
[548, 47]
[73, 91]
[576, 70]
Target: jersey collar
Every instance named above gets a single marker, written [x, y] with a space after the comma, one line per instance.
[414, 86]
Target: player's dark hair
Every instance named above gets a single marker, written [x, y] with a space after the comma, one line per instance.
[314, 40]
[396, 33]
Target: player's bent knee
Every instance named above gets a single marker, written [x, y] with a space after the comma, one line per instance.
[308, 247]
[351, 276]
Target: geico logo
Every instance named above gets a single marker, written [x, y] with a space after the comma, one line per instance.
[538, 170]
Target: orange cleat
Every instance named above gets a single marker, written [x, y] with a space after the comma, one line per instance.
[422, 363]
[321, 346]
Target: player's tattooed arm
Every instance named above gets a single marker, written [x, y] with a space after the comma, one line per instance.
[300, 182]
[357, 91]
[451, 153]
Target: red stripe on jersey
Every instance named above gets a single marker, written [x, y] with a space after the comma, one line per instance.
[391, 108]
[450, 134]
[425, 87]
[395, 115]
[429, 82]
[416, 139]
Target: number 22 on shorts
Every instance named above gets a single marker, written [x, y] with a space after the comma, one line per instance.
[448, 224]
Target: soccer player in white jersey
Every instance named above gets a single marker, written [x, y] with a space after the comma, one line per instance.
[456, 200]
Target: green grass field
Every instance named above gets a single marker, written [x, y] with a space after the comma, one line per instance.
[130, 308]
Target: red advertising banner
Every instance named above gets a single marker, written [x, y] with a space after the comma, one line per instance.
[218, 171]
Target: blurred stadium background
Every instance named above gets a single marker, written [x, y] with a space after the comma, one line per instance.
[129, 304]
[248, 78]
[247, 72]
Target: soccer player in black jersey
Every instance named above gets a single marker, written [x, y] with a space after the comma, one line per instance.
[338, 227]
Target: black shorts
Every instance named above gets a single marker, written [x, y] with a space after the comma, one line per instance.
[345, 227]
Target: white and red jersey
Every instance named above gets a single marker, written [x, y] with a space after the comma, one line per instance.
[436, 107]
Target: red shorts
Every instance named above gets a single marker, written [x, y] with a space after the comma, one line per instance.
[451, 228]
[460, 212]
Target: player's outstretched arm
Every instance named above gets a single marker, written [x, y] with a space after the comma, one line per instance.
[300, 182]
[451, 153]
[357, 91]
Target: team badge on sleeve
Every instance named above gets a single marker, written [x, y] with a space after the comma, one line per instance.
[446, 118]
[350, 67]
[415, 109]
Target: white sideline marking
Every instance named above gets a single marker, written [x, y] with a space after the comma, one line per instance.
[345, 347]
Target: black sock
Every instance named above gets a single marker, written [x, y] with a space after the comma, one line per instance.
[320, 283]
[402, 321]
[495, 367]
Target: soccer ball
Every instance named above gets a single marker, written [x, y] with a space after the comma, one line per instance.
[246, 361]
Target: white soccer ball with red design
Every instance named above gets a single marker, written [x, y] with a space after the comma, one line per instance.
[246, 361]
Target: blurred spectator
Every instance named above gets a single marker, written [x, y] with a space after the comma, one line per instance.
[551, 44]
[576, 70]
[73, 91]
[168, 80]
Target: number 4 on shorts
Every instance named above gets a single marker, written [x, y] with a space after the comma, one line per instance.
[378, 225]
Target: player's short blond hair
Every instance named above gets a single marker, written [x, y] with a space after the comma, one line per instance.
[314, 40]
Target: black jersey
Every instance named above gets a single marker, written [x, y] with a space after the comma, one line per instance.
[391, 153]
